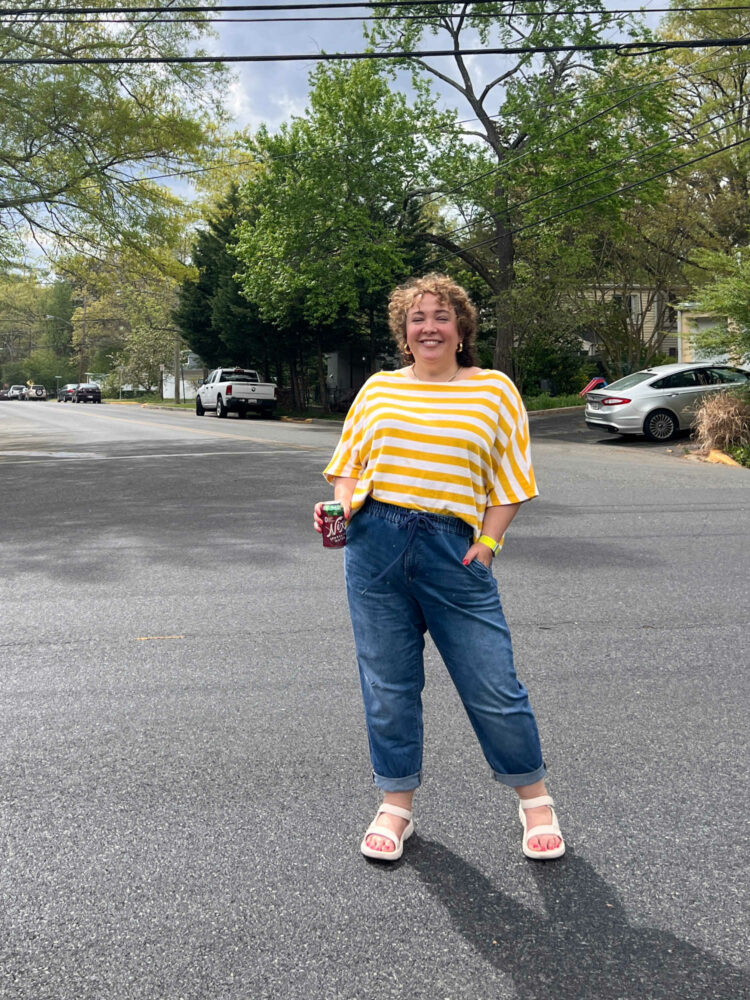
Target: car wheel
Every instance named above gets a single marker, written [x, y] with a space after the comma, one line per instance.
[661, 425]
[199, 411]
[221, 410]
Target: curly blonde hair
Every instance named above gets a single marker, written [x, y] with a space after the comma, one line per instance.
[447, 292]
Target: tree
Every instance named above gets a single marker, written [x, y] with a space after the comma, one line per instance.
[59, 325]
[215, 319]
[711, 99]
[540, 121]
[77, 139]
[329, 228]
[728, 296]
[35, 330]
[123, 319]
[22, 311]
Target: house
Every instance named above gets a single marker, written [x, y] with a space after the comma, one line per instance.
[348, 370]
[691, 320]
[650, 314]
[192, 372]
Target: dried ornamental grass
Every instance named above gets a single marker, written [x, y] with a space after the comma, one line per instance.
[722, 420]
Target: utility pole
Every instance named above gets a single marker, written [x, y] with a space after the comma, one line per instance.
[81, 346]
[177, 368]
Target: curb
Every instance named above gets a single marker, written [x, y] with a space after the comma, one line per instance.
[720, 458]
[532, 413]
[335, 420]
[556, 409]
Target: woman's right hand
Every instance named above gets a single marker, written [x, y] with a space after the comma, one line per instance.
[318, 513]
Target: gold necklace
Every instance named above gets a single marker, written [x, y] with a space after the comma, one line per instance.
[436, 380]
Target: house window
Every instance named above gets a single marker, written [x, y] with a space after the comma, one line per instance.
[634, 306]
[665, 314]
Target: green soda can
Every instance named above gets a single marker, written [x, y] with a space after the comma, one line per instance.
[334, 525]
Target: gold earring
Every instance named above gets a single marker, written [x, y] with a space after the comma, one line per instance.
[460, 347]
[407, 349]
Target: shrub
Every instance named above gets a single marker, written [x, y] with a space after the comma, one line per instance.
[722, 421]
[741, 453]
[543, 401]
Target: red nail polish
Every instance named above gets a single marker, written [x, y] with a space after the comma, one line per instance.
[465, 562]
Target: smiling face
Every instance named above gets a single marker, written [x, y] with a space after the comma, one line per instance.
[432, 333]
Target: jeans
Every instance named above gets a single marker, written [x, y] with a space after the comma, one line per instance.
[404, 576]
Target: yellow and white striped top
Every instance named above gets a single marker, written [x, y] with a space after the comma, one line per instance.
[443, 447]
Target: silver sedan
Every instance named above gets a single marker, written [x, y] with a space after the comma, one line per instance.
[661, 401]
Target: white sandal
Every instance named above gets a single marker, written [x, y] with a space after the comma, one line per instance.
[383, 831]
[552, 828]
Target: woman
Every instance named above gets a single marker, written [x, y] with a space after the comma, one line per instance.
[432, 467]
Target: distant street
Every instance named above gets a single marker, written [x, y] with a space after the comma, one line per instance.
[183, 765]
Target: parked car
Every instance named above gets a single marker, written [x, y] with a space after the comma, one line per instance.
[87, 392]
[236, 389]
[66, 392]
[36, 392]
[4, 393]
[661, 401]
[17, 392]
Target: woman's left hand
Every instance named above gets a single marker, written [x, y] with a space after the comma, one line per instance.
[481, 552]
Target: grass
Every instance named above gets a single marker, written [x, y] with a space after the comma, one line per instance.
[547, 402]
[152, 401]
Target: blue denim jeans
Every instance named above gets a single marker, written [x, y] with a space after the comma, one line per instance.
[405, 576]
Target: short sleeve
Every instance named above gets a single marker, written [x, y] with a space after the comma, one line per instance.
[513, 478]
[347, 459]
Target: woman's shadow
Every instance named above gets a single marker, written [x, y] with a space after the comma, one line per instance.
[583, 947]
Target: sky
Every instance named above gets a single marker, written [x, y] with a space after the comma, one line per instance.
[272, 93]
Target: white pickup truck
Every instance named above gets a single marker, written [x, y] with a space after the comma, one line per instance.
[237, 390]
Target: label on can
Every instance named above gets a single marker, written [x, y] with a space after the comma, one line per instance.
[334, 525]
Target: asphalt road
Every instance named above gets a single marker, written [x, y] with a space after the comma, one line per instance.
[183, 770]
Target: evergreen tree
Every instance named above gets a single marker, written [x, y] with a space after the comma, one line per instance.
[216, 321]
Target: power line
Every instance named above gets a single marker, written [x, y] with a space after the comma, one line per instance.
[573, 128]
[593, 201]
[242, 8]
[621, 48]
[637, 156]
[630, 92]
[332, 19]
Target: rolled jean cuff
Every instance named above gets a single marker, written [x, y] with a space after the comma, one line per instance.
[519, 780]
[406, 784]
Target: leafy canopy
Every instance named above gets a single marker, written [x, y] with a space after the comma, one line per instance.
[79, 141]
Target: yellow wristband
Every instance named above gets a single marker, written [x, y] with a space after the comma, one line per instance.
[490, 542]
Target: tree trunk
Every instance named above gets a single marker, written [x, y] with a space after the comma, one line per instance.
[505, 255]
[371, 321]
[177, 369]
[322, 379]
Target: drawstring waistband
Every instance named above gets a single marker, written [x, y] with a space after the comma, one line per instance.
[413, 520]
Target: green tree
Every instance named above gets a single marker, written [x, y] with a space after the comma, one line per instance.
[215, 319]
[330, 225]
[123, 320]
[711, 98]
[728, 296]
[78, 140]
[22, 310]
[35, 330]
[528, 138]
[59, 316]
